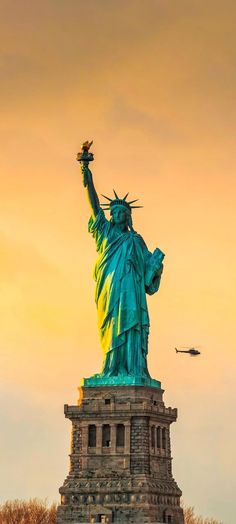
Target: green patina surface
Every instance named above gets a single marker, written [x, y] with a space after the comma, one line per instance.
[119, 380]
[125, 272]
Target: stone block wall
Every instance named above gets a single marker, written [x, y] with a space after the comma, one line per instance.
[120, 479]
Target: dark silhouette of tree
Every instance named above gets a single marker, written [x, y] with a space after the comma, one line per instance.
[191, 518]
[33, 511]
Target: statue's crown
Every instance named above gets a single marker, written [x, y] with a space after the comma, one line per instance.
[119, 202]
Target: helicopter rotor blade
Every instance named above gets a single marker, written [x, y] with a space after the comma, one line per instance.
[190, 347]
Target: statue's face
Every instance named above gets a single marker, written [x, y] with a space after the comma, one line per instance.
[119, 215]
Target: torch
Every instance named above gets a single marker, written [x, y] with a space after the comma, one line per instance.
[84, 158]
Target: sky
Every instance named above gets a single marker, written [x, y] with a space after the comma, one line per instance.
[153, 84]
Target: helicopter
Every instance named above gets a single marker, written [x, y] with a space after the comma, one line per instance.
[191, 351]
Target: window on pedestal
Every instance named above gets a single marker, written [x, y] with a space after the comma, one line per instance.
[120, 435]
[168, 516]
[106, 435]
[92, 436]
[164, 438]
[103, 518]
[153, 436]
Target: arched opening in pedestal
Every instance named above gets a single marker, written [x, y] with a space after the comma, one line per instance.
[101, 514]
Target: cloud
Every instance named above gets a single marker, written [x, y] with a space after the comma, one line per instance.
[20, 259]
[126, 116]
[36, 295]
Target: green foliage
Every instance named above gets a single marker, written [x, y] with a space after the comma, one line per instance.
[191, 518]
[33, 511]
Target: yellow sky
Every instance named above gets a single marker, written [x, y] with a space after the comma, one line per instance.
[153, 83]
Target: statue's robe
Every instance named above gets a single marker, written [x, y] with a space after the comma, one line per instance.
[123, 319]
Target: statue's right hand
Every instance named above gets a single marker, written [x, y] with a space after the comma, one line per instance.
[86, 173]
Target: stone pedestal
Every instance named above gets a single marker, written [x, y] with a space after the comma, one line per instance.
[120, 459]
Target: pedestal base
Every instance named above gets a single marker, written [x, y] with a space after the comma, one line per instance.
[120, 459]
[120, 380]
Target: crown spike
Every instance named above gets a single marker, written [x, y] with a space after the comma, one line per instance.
[110, 199]
[132, 201]
[118, 202]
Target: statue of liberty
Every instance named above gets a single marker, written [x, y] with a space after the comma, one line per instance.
[125, 272]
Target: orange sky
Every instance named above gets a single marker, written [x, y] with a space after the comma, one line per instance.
[153, 83]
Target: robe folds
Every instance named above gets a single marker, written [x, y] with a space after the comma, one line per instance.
[120, 297]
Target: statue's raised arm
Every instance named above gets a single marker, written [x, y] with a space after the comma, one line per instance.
[84, 158]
